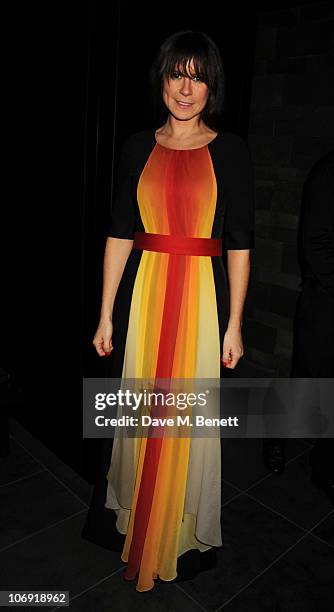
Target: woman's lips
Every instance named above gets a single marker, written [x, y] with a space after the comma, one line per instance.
[183, 104]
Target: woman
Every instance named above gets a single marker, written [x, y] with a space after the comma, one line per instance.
[184, 190]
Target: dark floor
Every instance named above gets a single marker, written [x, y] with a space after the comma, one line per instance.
[278, 531]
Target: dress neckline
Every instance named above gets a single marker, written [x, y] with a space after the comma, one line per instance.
[195, 149]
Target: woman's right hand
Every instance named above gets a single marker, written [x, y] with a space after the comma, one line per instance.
[103, 337]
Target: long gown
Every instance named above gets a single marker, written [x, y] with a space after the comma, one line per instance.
[170, 315]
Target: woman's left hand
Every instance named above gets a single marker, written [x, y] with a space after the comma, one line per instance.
[233, 348]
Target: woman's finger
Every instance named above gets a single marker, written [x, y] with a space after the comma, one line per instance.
[227, 357]
[99, 348]
[103, 348]
[233, 361]
[108, 347]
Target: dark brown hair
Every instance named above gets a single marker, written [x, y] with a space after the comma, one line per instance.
[176, 51]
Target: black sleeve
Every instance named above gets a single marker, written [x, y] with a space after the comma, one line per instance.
[122, 215]
[317, 228]
[238, 190]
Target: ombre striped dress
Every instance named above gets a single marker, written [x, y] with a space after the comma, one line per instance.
[169, 319]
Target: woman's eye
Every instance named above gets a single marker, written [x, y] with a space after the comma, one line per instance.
[177, 74]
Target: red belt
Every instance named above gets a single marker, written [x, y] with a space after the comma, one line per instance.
[182, 245]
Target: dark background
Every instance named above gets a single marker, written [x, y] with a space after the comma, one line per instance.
[79, 86]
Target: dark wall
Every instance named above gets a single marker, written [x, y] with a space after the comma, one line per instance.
[40, 338]
[291, 126]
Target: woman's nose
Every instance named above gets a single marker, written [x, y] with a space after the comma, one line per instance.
[186, 85]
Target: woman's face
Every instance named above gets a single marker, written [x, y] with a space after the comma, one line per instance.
[192, 91]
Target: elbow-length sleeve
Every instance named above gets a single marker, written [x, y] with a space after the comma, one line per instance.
[121, 222]
[239, 222]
